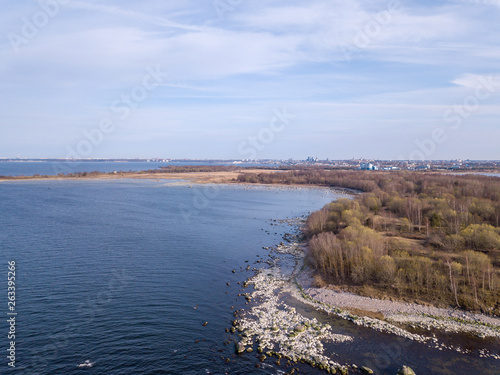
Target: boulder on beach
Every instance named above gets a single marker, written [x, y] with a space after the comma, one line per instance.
[366, 370]
[406, 371]
[240, 348]
[299, 328]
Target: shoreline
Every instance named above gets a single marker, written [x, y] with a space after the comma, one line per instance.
[187, 178]
[396, 311]
[389, 309]
[401, 313]
[213, 177]
[397, 316]
[274, 328]
[195, 177]
[203, 177]
[399, 319]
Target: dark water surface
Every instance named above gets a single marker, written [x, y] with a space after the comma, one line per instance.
[124, 273]
[111, 272]
[386, 354]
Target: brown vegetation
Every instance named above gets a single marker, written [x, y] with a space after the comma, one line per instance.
[424, 236]
[196, 174]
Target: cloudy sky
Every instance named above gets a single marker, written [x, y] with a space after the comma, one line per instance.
[250, 79]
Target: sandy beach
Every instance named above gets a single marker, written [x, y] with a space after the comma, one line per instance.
[194, 177]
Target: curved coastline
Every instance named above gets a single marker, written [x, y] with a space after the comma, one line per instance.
[397, 316]
[182, 179]
[399, 312]
[403, 312]
[271, 324]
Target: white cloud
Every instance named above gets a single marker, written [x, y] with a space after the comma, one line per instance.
[410, 67]
[136, 15]
[475, 80]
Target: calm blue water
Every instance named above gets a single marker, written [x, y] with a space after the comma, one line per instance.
[111, 272]
[54, 168]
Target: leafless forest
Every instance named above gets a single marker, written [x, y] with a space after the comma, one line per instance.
[414, 236]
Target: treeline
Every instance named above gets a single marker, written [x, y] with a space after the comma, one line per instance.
[416, 236]
[313, 176]
[194, 168]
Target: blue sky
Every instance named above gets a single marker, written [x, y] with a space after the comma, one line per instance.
[360, 78]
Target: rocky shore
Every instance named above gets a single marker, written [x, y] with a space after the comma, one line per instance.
[397, 323]
[427, 317]
[398, 316]
[276, 329]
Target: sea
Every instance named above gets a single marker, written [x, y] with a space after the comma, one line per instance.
[30, 168]
[142, 277]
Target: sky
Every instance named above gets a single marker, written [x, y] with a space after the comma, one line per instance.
[242, 79]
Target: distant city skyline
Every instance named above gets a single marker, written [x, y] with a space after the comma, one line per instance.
[250, 80]
[311, 160]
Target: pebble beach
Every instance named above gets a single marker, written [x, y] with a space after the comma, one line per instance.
[276, 329]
